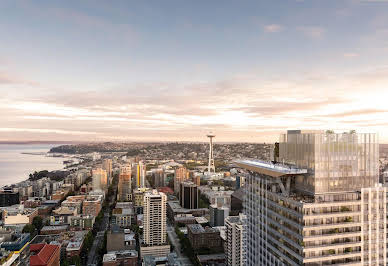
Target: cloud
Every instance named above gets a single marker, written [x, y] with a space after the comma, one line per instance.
[271, 28]
[351, 55]
[357, 113]
[249, 105]
[312, 31]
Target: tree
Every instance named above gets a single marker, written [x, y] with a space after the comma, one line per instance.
[29, 228]
[37, 222]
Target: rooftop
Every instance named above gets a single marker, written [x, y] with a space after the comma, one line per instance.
[41, 253]
[270, 168]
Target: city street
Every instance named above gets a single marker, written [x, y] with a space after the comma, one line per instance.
[175, 242]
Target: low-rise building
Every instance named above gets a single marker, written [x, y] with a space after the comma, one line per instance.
[44, 255]
[82, 222]
[207, 237]
[61, 215]
[17, 215]
[54, 229]
[123, 214]
[92, 205]
[118, 258]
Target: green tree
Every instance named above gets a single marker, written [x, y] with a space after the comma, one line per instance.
[37, 222]
[29, 228]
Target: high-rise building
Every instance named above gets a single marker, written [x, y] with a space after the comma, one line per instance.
[188, 195]
[235, 244]
[107, 166]
[154, 225]
[196, 180]
[181, 174]
[321, 205]
[100, 179]
[124, 186]
[218, 215]
[158, 177]
[8, 197]
[139, 171]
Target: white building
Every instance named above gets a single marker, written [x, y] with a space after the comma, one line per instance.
[235, 244]
[154, 225]
[322, 206]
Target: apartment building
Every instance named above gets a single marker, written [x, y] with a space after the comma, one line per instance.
[321, 205]
[235, 244]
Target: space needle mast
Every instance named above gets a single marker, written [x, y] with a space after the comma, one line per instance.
[211, 166]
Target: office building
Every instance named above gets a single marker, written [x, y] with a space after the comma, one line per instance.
[235, 244]
[8, 197]
[158, 178]
[154, 225]
[100, 179]
[181, 174]
[321, 205]
[124, 187]
[188, 195]
[107, 166]
[218, 215]
[139, 171]
[196, 180]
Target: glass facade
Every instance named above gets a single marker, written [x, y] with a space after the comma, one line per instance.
[335, 162]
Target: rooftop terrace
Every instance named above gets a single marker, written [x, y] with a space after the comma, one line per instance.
[270, 168]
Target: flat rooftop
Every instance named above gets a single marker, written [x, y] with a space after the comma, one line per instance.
[270, 168]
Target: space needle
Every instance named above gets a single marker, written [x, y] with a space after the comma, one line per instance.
[211, 168]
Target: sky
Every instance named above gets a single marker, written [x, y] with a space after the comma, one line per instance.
[176, 70]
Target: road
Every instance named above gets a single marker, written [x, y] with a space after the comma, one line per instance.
[175, 242]
[93, 257]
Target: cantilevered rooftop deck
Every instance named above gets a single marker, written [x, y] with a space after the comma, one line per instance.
[270, 168]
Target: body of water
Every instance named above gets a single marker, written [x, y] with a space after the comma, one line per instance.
[16, 166]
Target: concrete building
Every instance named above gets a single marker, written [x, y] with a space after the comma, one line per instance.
[107, 166]
[138, 199]
[321, 205]
[236, 202]
[181, 174]
[118, 258]
[196, 180]
[17, 215]
[82, 222]
[158, 177]
[188, 195]
[123, 215]
[207, 237]
[8, 197]
[100, 179]
[235, 244]
[139, 172]
[92, 205]
[74, 202]
[125, 181]
[154, 225]
[218, 215]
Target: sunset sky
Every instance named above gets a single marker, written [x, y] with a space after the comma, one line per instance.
[175, 70]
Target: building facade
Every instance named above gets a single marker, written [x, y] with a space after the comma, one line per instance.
[321, 205]
[218, 215]
[154, 225]
[235, 244]
[181, 174]
[188, 195]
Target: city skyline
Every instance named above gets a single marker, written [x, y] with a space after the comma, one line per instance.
[139, 71]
